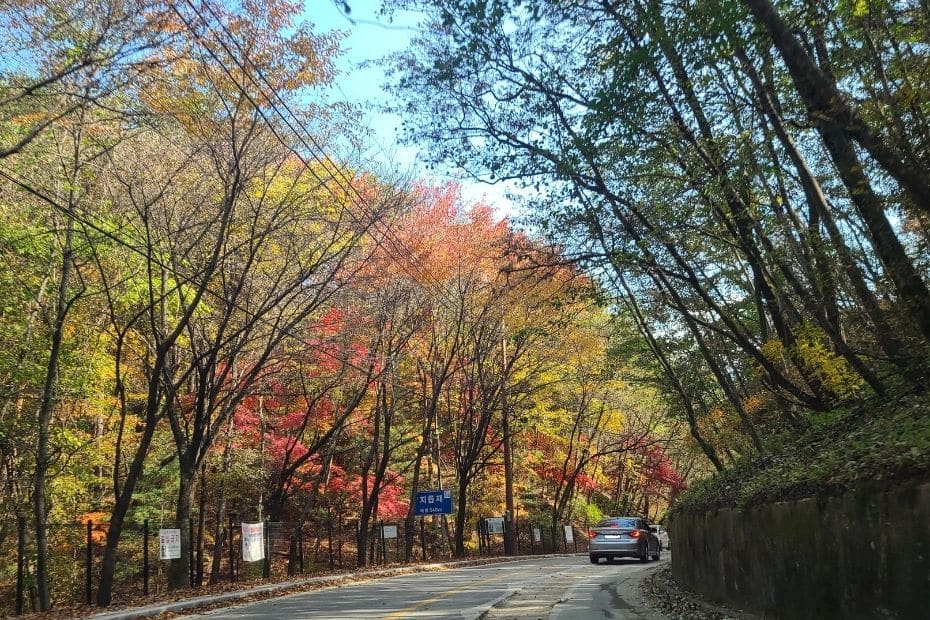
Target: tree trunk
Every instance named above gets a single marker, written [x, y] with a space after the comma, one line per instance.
[683, 397]
[201, 525]
[824, 101]
[422, 450]
[819, 205]
[179, 570]
[118, 516]
[911, 289]
[410, 519]
[218, 531]
[43, 458]
[293, 560]
[460, 518]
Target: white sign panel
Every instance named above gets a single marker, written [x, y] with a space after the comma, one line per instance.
[537, 535]
[169, 544]
[495, 525]
[569, 534]
[253, 542]
[389, 531]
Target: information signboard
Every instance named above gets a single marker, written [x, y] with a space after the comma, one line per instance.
[389, 531]
[537, 534]
[569, 533]
[495, 525]
[253, 542]
[437, 502]
[169, 544]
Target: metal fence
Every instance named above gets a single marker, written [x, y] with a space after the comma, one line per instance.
[322, 545]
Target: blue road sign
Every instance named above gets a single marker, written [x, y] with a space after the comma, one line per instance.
[434, 503]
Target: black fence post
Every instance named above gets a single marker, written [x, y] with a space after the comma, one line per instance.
[266, 563]
[232, 553]
[20, 565]
[486, 536]
[587, 541]
[89, 565]
[532, 539]
[574, 539]
[516, 533]
[190, 550]
[300, 545]
[383, 545]
[480, 538]
[508, 533]
[423, 538]
[145, 557]
[342, 538]
[329, 539]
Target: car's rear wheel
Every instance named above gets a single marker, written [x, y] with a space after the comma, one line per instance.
[594, 559]
[644, 556]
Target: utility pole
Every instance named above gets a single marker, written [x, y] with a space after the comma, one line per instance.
[509, 529]
[261, 448]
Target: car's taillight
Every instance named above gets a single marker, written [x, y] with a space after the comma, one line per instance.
[635, 534]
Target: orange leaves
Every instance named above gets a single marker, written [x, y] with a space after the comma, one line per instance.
[446, 239]
[229, 59]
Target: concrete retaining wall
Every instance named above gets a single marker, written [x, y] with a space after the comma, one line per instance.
[862, 555]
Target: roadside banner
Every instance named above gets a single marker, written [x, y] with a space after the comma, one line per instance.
[169, 544]
[495, 525]
[569, 533]
[537, 534]
[253, 542]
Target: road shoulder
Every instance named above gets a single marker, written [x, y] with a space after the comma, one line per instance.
[208, 602]
[582, 591]
[665, 595]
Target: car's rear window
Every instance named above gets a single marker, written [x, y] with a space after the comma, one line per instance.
[617, 523]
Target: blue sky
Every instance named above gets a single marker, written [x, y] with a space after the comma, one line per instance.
[370, 36]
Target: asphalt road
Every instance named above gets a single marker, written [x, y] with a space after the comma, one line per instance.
[559, 588]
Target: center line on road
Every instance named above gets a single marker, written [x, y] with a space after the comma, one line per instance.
[402, 613]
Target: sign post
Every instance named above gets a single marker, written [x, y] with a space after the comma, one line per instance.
[423, 539]
[435, 502]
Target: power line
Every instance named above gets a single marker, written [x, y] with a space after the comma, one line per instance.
[316, 150]
[349, 187]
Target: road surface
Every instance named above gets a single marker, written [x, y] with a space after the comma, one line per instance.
[560, 588]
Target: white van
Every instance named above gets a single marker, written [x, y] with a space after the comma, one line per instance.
[662, 535]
